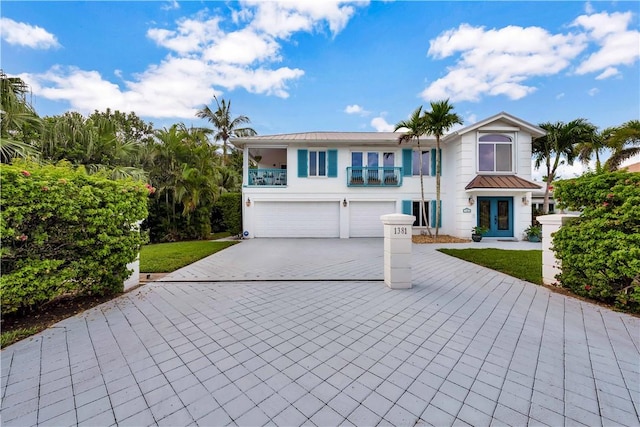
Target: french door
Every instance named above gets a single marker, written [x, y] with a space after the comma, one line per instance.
[496, 214]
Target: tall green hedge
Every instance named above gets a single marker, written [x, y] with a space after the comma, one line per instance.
[65, 232]
[231, 206]
[600, 251]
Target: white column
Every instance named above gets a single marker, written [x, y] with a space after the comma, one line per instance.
[134, 279]
[397, 250]
[550, 265]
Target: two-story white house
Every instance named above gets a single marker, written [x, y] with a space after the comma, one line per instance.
[338, 184]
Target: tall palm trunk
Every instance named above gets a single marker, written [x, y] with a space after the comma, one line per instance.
[437, 215]
[423, 208]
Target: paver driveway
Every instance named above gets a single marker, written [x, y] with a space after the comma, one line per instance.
[465, 346]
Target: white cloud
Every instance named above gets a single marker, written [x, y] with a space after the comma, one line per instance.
[588, 8]
[281, 19]
[380, 124]
[560, 95]
[593, 91]
[618, 45]
[609, 72]
[490, 63]
[356, 109]
[564, 171]
[21, 34]
[203, 60]
[170, 5]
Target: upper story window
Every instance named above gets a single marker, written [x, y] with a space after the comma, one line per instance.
[317, 163]
[426, 159]
[495, 153]
[372, 159]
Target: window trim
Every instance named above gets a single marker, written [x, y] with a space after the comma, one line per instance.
[317, 165]
[365, 158]
[513, 144]
[416, 158]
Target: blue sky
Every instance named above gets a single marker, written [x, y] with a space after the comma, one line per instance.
[319, 65]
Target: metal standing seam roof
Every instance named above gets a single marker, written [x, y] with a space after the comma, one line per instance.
[501, 181]
[324, 137]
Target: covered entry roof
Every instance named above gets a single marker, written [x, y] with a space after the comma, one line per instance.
[501, 181]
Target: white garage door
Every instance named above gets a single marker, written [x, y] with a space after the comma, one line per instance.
[364, 218]
[297, 219]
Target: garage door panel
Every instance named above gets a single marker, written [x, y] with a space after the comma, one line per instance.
[364, 218]
[297, 219]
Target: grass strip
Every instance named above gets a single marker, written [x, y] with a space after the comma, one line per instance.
[525, 265]
[168, 257]
[8, 338]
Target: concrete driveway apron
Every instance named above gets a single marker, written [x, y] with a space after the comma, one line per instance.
[282, 346]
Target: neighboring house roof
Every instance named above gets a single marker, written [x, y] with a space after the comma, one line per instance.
[367, 137]
[501, 181]
[534, 130]
[635, 167]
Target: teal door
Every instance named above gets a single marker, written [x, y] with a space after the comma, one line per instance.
[496, 214]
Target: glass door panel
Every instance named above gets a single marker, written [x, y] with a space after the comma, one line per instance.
[496, 214]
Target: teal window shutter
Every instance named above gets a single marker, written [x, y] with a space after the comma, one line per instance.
[433, 162]
[440, 152]
[433, 213]
[302, 163]
[406, 206]
[332, 170]
[407, 162]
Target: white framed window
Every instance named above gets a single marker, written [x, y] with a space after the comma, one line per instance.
[495, 152]
[426, 160]
[317, 163]
[372, 159]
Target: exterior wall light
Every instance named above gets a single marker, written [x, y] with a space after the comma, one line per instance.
[525, 201]
[471, 201]
[248, 202]
[344, 203]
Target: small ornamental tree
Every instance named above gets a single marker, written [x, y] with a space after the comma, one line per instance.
[600, 250]
[65, 232]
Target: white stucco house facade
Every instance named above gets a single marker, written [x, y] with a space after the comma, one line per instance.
[338, 184]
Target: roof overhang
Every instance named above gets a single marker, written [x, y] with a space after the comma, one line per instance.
[515, 124]
[500, 182]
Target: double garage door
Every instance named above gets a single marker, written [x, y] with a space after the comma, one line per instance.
[319, 219]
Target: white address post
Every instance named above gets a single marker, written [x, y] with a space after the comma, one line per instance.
[397, 250]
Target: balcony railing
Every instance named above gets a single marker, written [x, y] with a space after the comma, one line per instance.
[270, 177]
[374, 177]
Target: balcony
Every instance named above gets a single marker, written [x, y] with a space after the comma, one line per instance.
[267, 177]
[374, 177]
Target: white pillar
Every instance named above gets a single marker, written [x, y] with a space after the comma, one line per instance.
[397, 250]
[134, 279]
[550, 265]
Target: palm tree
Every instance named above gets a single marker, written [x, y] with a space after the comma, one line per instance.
[18, 120]
[559, 143]
[226, 127]
[594, 147]
[437, 122]
[625, 143]
[415, 129]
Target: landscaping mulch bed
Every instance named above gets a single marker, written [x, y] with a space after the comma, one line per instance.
[52, 313]
[443, 238]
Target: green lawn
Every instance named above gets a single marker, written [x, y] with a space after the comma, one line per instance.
[168, 257]
[525, 265]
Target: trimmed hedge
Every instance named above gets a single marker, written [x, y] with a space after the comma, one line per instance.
[231, 206]
[65, 232]
[600, 250]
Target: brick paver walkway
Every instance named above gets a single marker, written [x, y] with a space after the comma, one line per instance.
[466, 345]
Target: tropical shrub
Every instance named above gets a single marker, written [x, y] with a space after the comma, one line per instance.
[65, 232]
[600, 250]
[231, 206]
